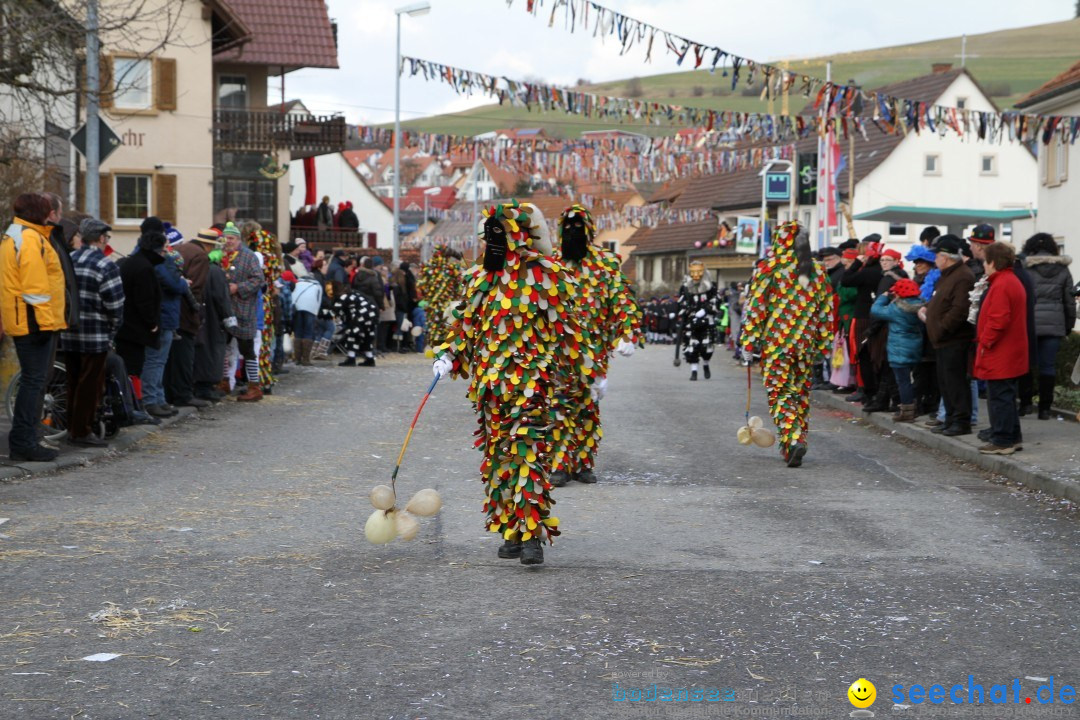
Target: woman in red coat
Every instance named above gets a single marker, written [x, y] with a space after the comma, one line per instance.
[1001, 356]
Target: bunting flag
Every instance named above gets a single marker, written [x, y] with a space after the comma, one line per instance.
[889, 114]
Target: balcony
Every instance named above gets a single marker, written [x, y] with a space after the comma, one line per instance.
[265, 130]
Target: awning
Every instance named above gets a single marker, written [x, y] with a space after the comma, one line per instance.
[943, 216]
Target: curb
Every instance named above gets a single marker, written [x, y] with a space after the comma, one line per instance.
[998, 464]
[71, 457]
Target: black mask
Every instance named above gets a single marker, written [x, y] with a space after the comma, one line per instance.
[495, 249]
[575, 240]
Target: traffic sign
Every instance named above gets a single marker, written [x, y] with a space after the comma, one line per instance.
[108, 141]
[777, 187]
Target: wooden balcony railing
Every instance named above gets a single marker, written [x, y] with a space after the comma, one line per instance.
[262, 130]
[332, 239]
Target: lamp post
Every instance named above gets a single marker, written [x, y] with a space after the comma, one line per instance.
[412, 10]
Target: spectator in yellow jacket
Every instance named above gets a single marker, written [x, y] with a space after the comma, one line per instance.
[33, 311]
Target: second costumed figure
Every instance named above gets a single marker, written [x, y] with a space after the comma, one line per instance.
[607, 308]
[696, 322]
[514, 334]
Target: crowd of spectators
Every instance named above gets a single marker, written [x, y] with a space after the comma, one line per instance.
[177, 322]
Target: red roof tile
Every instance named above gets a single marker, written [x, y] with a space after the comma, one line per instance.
[673, 237]
[288, 33]
[1066, 81]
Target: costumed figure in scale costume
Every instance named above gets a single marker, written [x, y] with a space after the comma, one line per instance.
[606, 306]
[513, 336]
[441, 284]
[696, 321]
[788, 320]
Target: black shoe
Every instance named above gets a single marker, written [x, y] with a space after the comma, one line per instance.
[532, 552]
[795, 455]
[38, 453]
[90, 440]
[559, 478]
[368, 362]
[875, 406]
[347, 362]
[1044, 415]
[1026, 410]
[940, 429]
[823, 386]
[194, 402]
[985, 434]
[510, 549]
[705, 370]
[844, 390]
[144, 418]
[693, 375]
[160, 411]
[586, 476]
[956, 430]
[856, 397]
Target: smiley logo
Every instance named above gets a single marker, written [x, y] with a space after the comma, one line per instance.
[862, 693]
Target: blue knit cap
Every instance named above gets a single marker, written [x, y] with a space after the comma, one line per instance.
[918, 252]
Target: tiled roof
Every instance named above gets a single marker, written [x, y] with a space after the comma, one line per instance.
[673, 237]
[739, 189]
[669, 191]
[1066, 81]
[504, 180]
[285, 33]
[358, 157]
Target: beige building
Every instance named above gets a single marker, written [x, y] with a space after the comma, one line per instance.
[200, 142]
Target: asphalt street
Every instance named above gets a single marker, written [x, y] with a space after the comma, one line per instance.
[223, 561]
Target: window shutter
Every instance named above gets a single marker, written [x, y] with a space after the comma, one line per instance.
[165, 197]
[106, 191]
[165, 83]
[108, 84]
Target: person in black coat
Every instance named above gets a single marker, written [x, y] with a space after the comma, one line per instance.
[142, 298]
[864, 275]
[1054, 315]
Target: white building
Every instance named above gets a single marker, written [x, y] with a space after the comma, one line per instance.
[1058, 198]
[335, 176]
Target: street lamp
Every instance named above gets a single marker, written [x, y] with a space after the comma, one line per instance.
[412, 10]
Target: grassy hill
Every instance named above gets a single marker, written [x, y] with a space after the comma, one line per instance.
[1008, 63]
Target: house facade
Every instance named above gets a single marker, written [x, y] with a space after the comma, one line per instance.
[337, 176]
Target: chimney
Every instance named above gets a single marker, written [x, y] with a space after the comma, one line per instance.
[938, 68]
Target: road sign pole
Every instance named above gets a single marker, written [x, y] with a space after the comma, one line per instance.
[93, 100]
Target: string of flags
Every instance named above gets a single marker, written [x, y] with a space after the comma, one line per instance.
[834, 101]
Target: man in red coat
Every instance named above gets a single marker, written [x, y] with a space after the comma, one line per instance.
[1001, 356]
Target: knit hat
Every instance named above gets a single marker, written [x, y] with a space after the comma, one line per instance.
[982, 234]
[209, 236]
[173, 235]
[288, 276]
[894, 254]
[152, 224]
[91, 229]
[918, 253]
[873, 248]
[231, 229]
[288, 247]
[905, 288]
[376, 261]
[850, 254]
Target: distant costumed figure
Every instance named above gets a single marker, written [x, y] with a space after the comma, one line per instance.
[607, 308]
[789, 321]
[268, 249]
[699, 310]
[514, 334]
[441, 284]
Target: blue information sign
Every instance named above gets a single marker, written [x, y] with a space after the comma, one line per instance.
[777, 187]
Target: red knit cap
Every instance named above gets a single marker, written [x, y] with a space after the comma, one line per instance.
[905, 288]
[851, 253]
[894, 254]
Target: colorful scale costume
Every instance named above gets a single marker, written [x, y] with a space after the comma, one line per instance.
[441, 284]
[513, 334]
[789, 321]
[607, 308]
[266, 246]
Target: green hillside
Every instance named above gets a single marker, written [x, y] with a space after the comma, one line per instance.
[1008, 64]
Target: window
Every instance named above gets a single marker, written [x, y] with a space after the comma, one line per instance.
[897, 229]
[133, 90]
[232, 91]
[1061, 152]
[610, 246]
[932, 164]
[665, 269]
[132, 198]
[647, 269]
[1006, 230]
[961, 103]
[988, 165]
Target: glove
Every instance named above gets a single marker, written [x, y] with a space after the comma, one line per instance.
[229, 322]
[599, 389]
[626, 349]
[700, 313]
[671, 316]
[443, 366]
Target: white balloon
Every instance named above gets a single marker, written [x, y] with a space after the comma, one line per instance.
[744, 435]
[407, 527]
[425, 503]
[762, 437]
[382, 497]
[380, 527]
[755, 422]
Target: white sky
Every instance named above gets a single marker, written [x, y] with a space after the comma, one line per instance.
[485, 35]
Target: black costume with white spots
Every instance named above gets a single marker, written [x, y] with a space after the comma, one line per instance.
[698, 311]
[359, 318]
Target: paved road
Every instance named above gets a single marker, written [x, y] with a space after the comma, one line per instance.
[224, 561]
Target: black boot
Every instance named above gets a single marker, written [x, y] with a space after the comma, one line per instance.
[532, 552]
[348, 362]
[693, 375]
[1046, 395]
[510, 549]
[368, 362]
[559, 478]
[705, 369]
[586, 476]
[879, 402]
[795, 455]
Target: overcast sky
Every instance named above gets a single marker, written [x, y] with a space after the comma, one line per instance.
[485, 35]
